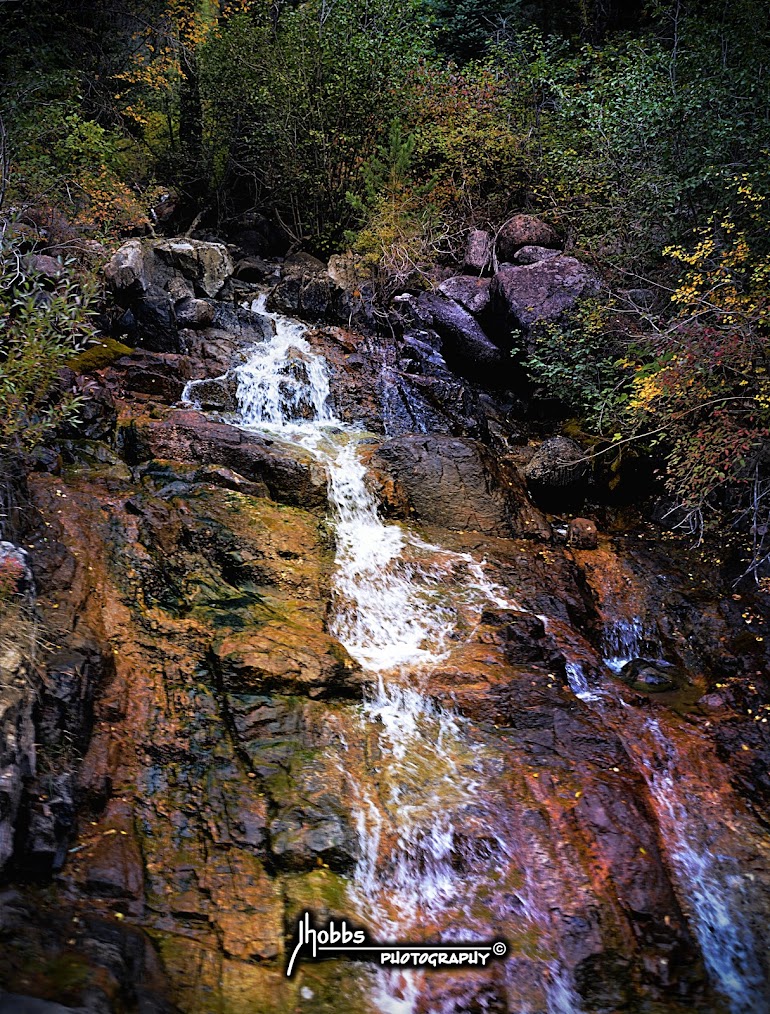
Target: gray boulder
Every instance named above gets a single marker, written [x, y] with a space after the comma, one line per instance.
[523, 295]
[206, 265]
[465, 346]
[165, 283]
[470, 292]
[533, 254]
[142, 264]
[126, 272]
[194, 313]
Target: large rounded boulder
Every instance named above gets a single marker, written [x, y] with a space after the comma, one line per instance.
[455, 483]
[558, 472]
[522, 295]
[523, 230]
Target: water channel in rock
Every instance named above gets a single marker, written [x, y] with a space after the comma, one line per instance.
[445, 851]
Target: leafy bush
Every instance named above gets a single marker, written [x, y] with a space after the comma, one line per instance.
[582, 364]
[41, 326]
[62, 158]
[299, 104]
[703, 386]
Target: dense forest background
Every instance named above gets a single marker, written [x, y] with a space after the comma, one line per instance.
[392, 128]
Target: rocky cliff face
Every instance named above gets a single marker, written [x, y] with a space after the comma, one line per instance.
[187, 802]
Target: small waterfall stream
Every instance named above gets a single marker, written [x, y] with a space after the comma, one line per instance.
[715, 886]
[432, 841]
[440, 854]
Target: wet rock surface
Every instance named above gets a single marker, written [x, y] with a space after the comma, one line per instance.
[454, 483]
[176, 793]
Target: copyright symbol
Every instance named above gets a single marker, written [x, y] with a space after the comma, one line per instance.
[499, 948]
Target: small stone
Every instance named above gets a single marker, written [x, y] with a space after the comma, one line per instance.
[582, 534]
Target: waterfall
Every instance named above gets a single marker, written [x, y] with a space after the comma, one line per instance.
[714, 887]
[439, 855]
[432, 843]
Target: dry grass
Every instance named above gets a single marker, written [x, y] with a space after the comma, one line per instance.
[21, 642]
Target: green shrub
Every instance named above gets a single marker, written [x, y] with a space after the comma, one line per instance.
[43, 323]
[579, 362]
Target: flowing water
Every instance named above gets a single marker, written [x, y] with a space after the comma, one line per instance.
[436, 856]
[440, 853]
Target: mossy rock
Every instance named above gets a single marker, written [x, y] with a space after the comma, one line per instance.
[102, 353]
[322, 892]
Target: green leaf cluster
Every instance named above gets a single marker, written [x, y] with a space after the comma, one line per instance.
[43, 323]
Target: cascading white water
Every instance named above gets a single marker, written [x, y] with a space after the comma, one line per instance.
[398, 604]
[626, 639]
[717, 887]
[713, 885]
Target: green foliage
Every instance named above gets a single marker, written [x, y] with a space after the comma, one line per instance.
[580, 363]
[464, 29]
[632, 143]
[41, 327]
[301, 103]
[400, 236]
[59, 157]
[470, 150]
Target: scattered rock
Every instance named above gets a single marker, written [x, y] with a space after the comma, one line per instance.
[524, 638]
[194, 313]
[206, 265]
[48, 826]
[471, 293]
[158, 374]
[302, 838]
[189, 436]
[252, 269]
[541, 291]
[557, 468]
[288, 659]
[343, 271]
[465, 345]
[534, 254]
[125, 271]
[155, 324]
[66, 701]
[453, 483]
[43, 264]
[217, 394]
[141, 265]
[652, 675]
[228, 479]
